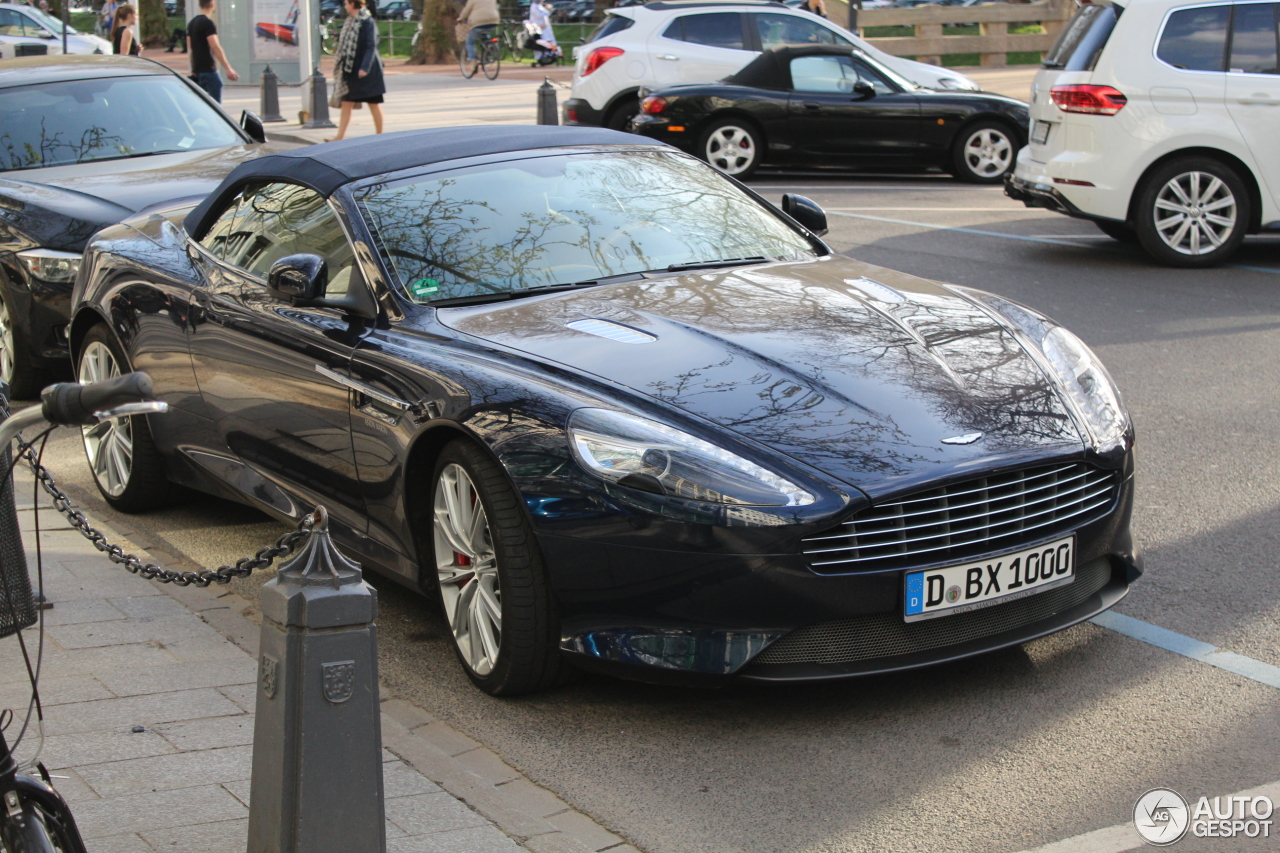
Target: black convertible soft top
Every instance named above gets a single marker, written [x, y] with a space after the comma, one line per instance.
[772, 68]
[326, 167]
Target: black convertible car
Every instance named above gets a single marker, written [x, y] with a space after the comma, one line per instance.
[84, 142]
[824, 106]
[613, 408]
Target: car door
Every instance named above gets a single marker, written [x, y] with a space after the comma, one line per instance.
[1253, 86]
[700, 48]
[830, 118]
[270, 372]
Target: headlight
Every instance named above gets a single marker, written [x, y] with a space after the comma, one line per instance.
[51, 265]
[652, 457]
[1092, 392]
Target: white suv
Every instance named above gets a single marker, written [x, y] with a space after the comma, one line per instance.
[1159, 120]
[671, 42]
[21, 24]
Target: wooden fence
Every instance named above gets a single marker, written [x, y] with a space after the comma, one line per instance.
[992, 43]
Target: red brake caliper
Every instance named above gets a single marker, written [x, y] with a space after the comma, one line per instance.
[460, 559]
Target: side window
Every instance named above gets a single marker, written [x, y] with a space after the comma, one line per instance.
[1253, 39]
[1196, 39]
[215, 241]
[868, 75]
[782, 30]
[10, 23]
[828, 74]
[278, 220]
[30, 28]
[718, 29]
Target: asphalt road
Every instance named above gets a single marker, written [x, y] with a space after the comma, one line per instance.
[1001, 753]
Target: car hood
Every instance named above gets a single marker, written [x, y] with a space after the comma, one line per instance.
[62, 206]
[877, 378]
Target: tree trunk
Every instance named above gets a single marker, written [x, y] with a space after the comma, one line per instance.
[154, 23]
[435, 33]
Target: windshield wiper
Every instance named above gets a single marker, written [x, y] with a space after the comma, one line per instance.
[711, 265]
[483, 298]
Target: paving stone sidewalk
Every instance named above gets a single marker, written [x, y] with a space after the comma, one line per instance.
[148, 693]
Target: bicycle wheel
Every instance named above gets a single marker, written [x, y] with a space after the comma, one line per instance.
[467, 66]
[491, 58]
[515, 44]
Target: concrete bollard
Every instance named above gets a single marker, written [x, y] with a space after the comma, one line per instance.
[317, 739]
[318, 106]
[548, 113]
[270, 100]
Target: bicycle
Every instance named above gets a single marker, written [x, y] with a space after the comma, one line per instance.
[34, 817]
[488, 56]
[514, 37]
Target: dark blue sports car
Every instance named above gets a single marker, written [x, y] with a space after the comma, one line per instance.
[614, 409]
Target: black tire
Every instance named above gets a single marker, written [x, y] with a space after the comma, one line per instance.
[733, 146]
[1219, 215]
[24, 378]
[984, 152]
[1121, 231]
[490, 58]
[467, 66]
[528, 656]
[622, 113]
[145, 485]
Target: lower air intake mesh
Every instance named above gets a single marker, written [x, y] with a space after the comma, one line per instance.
[884, 635]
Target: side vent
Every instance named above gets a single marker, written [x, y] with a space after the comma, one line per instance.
[613, 331]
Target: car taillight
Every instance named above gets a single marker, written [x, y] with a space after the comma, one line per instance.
[1087, 98]
[599, 57]
[653, 105]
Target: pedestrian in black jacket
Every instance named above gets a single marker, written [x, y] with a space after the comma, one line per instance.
[357, 69]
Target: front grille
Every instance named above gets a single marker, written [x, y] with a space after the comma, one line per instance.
[884, 635]
[981, 516]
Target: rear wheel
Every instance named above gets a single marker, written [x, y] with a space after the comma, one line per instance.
[493, 585]
[622, 114]
[490, 57]
[732, 146]
[983, 153]
[1192, 212]
[126, 465]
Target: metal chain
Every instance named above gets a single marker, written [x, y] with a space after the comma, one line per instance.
[222, 575]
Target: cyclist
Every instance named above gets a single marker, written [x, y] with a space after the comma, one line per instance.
[482, 16]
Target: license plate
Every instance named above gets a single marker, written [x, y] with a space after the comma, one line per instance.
[982, 583]
[1040, 132]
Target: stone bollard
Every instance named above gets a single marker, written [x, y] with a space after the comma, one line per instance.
[317, 739]
[317, 107]
[270, 100]
[547, 110]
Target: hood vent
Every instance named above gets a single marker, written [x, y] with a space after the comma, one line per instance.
[613, 331]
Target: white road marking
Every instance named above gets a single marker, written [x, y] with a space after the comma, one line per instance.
[865, 188]
[1123, 837]
[1180, 644]
[951, 209]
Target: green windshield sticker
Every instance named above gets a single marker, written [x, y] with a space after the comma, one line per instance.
[424, 287]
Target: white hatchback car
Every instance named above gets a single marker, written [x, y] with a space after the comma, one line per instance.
[20, 24]
[1159, 120]
[670, 42]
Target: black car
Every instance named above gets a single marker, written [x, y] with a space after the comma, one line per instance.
[84, 142]
[613, 409]
[821, 106]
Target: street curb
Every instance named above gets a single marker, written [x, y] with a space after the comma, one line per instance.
[464, 768]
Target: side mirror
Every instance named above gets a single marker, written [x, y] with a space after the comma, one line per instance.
[252, 125]
[298, 278]
[805, 211]
[863, 89]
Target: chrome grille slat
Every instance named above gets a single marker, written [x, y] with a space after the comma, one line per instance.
[973, 517]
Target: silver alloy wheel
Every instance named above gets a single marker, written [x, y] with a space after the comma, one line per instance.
[731, 150]
[7, 354]
[467, 569]
[1195, 213]
[109, 444]
[988, 153]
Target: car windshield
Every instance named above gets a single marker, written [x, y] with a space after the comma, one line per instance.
[562, 219]
[53, 124]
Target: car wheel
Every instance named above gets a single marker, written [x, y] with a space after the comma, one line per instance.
[622, 114]
[126, 465]
[493, 585]
[1192, 212]
[1121, 231]
[25, 379]
[733, 147]
[984, 152]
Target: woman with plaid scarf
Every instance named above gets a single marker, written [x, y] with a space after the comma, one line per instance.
[357, 69]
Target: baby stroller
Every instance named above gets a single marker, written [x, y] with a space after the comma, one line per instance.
[543, 44]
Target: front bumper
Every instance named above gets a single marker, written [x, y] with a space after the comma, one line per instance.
[677, 617]
[673, 132]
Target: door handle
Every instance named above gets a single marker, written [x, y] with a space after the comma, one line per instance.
[812, 106]
[361, 388]
[1259, 99]
[669, 57]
